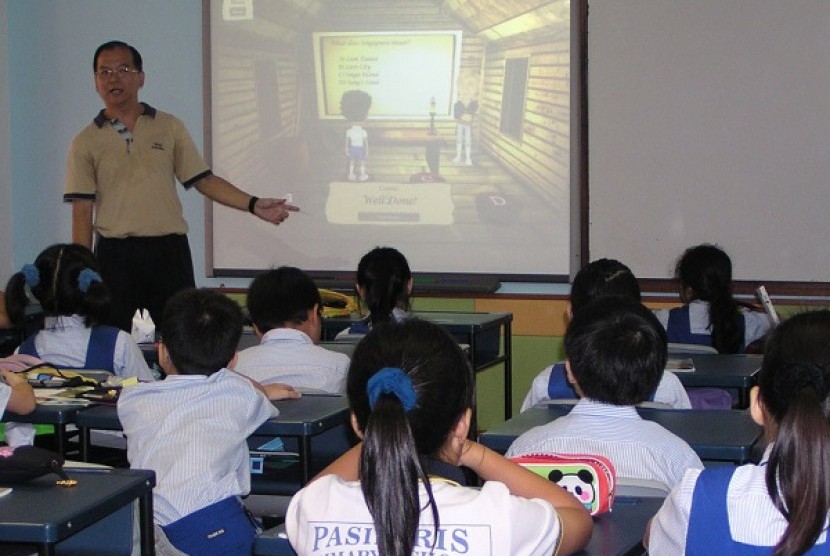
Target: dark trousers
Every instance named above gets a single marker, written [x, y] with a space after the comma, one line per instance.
[143, 273]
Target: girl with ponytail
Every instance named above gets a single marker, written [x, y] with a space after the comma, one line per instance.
[780, 506]
[65, 281]
[400, 491]
[383, 284]
[710, 315]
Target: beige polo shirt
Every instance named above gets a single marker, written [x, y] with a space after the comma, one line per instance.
[134, 186]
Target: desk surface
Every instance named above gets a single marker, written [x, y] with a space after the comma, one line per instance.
[715, 435]
[720, 371]
[41, 512]
[616, 533]
[50, 414]
[451, 320]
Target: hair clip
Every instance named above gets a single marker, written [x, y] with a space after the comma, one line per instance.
[86, 277]
[392, 380]
[31, 274]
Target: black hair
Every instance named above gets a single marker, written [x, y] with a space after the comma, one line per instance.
[395, 441]
[600, 278]
[384, 276]
[57, 287]
[617, 351]
[355, 105]
[794, 381]
[112, 45]
[707, 270]
[201, 330]
[281, 295]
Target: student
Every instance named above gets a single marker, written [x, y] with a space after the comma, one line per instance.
[781, 505]
[286, 308]
[384, 284]
[399, 491]
[600, 278]
[710, 315]
[65, 280]
[191, 428]
[616, 353]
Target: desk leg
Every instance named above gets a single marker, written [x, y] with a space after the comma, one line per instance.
[145, 523]
[508, 372]
[46, 549]
[60, 439]
[84, 433]
[305, 457]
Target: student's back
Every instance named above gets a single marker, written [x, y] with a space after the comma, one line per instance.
[286, 309]
[784, 501]
[616, 352]
[65, 281]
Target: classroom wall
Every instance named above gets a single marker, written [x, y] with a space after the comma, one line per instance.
[5, 162]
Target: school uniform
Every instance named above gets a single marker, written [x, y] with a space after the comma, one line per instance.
[66, 341]
[5, 396]
[639, 449]
[195, 441]
[330, 516]
[721, 508]
[690, 324]
[552, 383]
[289, 356]
[362, 327]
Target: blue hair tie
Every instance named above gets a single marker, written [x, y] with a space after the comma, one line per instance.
[392, 380]
[86, 277]
[32, 275]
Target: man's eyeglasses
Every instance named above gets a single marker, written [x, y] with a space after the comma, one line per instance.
[122, 71]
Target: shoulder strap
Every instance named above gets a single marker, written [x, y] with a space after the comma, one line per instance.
[558, 386]
[28, 346]
[708, 531]
[679, 328]
[100, 351]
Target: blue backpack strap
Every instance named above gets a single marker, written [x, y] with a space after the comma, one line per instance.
[679, 328]
[100, 351]
[558, 386]
[360, 327]
[28, 346]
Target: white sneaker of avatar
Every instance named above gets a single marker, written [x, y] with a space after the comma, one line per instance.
[469, 162]
[364, 177]
[352, 177]
[456, 160]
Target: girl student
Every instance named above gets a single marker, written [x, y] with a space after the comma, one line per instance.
[65, 280]
[781, 505]
[384, 284]
[399, 491]
[710, 315]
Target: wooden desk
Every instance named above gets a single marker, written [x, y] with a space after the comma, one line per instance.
[617, 533]
[722, 371]
[303, 418]
[43, 513]
[483, 332]
[715, 434]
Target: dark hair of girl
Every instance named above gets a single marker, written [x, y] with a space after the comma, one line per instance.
[794, 382]
[384, 275]
[65, 279]
[707, 270]
[395, 440]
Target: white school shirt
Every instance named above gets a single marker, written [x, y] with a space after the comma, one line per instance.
[755, 324]
[64, 339]
[330, 516]
[5, 396]
[289, 356]
[639, 449]
[356, 136]
[192, 431]
[670, 391]
[753, 519]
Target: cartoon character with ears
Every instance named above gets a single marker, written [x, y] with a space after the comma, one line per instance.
[580, 484]
[354, 105]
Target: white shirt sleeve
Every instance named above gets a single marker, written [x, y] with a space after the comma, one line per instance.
[129, 361]
[538, 389]
[671, 524]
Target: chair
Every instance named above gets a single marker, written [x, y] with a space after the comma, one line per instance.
[640, 488]
[573, 401]
[273, 542]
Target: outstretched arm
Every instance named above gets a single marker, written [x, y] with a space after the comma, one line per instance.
[225, 193]
[22, 399]
[82, 222]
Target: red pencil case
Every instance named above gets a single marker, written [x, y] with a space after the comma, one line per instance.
[590, 478]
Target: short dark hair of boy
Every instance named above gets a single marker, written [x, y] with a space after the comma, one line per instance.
[600, 278]
[281, 295]
[617, 351]
[201, 330]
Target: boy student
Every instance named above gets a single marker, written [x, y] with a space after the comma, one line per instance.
[285, 307]
[191, 428]
[616, 352]
[600, 278]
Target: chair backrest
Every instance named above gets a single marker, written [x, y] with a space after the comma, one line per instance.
[641, 488]
[340, 347]
[573, 401]
[273, 542]
[676, 348]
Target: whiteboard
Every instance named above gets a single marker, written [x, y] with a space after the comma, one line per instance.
[709, 121]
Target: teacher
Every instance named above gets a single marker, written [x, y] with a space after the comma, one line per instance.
[121, 181]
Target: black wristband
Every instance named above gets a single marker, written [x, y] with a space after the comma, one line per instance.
[252, 203]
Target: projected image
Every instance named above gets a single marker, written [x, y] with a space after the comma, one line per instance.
[443, 131]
